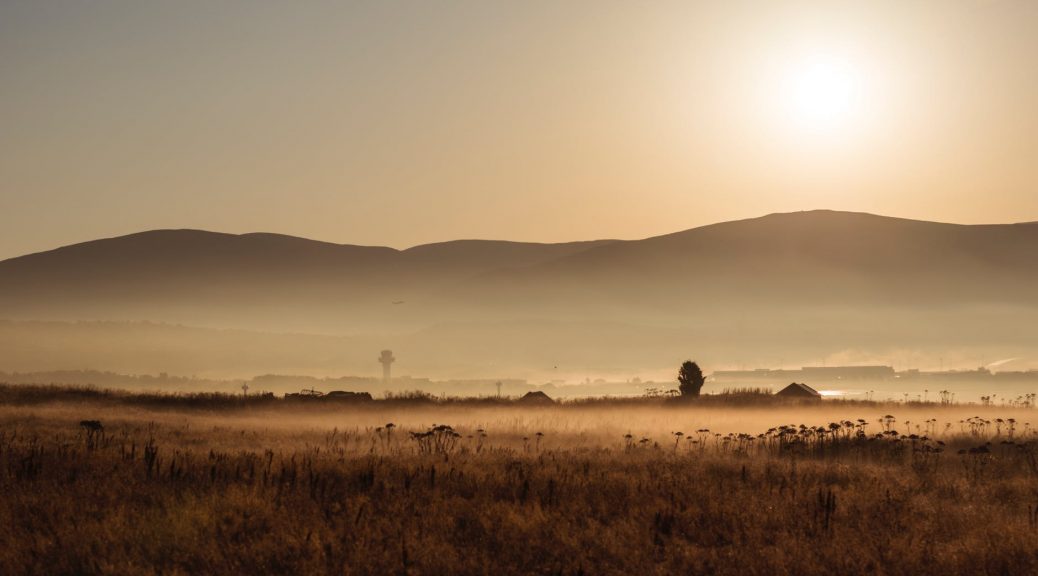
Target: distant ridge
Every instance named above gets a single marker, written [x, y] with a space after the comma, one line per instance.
[761, 269]
[800, 280]
[836, 256]
[183, 233]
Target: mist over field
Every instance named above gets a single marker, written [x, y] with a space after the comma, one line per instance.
[785, 290]
[731, 486]
[470, 287]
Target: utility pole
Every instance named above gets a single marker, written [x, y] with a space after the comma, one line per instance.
[244, 390]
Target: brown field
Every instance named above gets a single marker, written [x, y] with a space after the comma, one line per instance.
[203, 487]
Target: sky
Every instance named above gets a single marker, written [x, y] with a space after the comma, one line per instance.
[400, 123]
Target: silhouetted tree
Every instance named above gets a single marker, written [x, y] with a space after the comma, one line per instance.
[690, 379]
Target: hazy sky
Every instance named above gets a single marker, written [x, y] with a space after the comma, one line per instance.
[400, 123]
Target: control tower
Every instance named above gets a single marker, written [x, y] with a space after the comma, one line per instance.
[386, 359]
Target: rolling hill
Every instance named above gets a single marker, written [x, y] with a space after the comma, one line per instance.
[801, 284]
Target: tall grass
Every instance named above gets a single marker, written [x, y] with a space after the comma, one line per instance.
[559, 492]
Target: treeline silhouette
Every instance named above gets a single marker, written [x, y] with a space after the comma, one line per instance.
[29, 394]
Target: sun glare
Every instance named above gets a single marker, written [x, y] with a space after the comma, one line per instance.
[823, 94]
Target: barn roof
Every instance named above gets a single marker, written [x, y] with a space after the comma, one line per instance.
[536, 397]
[799, 390]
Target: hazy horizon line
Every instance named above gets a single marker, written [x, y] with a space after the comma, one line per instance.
[502, 240]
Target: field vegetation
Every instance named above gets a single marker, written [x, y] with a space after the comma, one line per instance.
[103, 482]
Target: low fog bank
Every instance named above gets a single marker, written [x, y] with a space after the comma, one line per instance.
[281, 384]
[785, 290]
[563, 425]
[538, 352]
[909, 387]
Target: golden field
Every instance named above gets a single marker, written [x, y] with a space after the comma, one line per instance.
[595, 487]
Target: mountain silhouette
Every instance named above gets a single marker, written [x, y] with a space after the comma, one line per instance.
[813, 257]
[846, 279]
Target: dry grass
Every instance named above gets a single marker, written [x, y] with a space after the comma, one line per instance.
[332, 489]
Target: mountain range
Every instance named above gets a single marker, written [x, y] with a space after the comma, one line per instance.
[799, 285]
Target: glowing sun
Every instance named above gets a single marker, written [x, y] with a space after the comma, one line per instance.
[823, 93]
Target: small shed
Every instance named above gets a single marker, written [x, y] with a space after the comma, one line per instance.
[304, 395]
[348, 396]
[799, 391]
[536, 397]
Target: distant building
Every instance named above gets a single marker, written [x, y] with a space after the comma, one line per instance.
[335, 395]
[799, 391]
[848, 372]
[536, 397]
[304, 395]
[813, 374]
[348, 396]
